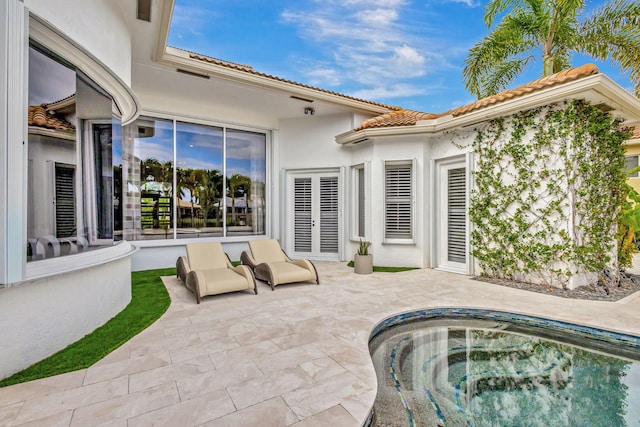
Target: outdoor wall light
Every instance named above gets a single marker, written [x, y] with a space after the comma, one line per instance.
[309, 110]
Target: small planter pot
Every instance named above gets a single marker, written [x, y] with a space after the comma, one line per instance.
[363, 264]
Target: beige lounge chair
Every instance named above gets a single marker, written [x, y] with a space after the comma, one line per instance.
[207, 270]
[271, 264]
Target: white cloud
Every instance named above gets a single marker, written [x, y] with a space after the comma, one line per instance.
[390, 91]
[190, 20]
[325, 76]
[371, 53]
[469, 3]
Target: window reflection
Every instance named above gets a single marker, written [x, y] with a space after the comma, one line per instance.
[207, 202]
[246, 177]
[70, 177]
[199, 180]
[149, 143]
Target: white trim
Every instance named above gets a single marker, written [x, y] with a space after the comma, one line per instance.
[596, 88]
[178, 58]
[269, 149]
[471, 260]
[48, 36]
[414, 165]
[13, 150]
[174, 180]
[66, 264]
[288, 244]
[439, 243]
[200, 120]
[354, 214]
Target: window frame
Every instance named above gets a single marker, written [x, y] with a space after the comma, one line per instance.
[269, 141]
[361, 197]
[411, 163]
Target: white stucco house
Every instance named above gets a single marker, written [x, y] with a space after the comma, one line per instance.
[117, 150]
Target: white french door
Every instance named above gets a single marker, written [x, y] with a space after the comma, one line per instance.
[451, 215]
[313, 213]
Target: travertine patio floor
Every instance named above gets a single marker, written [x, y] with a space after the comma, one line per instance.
[296, 356]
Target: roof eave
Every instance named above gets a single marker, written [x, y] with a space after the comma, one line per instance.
[175, 58]
[598, 89]
[178, 58]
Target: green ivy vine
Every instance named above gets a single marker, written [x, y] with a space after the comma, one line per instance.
[548, 186]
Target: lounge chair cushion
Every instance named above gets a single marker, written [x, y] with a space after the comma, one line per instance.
[206, 256]
[287, 272]
[267, 251]
[221, 280]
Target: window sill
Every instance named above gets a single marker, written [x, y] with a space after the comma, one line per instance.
[399, 242]
[69, 263]
[183, 241]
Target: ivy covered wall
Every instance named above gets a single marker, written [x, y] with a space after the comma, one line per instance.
[548, 184]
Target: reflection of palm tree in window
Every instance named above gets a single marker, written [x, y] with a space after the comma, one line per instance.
[238, 183]
[190, 179]
[209, 193]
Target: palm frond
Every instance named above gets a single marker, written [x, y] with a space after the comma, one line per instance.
[613, 32]
[561, 60]
[503, 74]
[496, 7]
[509, 40]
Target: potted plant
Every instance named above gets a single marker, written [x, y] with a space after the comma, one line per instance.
[363, 260]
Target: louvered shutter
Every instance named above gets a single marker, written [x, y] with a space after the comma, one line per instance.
[65, 201]
[398, 212]
[457, 215]
[329, 214]
[302, 214]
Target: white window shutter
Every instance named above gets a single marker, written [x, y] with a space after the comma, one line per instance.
[302, 214]
[398, 201]
[329, 214]
[457, 215]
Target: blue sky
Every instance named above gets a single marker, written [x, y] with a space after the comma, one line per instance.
[399, 52]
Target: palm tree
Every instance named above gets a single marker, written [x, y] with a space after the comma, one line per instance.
[556, 29]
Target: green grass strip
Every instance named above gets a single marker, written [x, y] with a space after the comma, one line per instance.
[149, 300]
[381, 269]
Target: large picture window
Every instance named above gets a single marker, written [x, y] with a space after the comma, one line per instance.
[219, 180]
[71, 131]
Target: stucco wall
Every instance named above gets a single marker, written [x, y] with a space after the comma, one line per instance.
[164, 90]
[309, 142]
[99, 26]
[152, 257]
[61, 310]
[408, 148]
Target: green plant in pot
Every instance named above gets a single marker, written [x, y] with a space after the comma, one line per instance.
[363, 260]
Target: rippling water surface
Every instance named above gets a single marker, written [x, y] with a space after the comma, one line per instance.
[486, 373]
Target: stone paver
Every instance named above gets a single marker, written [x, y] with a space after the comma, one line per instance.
[294, 356]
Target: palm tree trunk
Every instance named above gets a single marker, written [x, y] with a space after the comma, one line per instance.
[547, 64]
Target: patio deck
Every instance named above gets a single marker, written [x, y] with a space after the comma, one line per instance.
[296, 356]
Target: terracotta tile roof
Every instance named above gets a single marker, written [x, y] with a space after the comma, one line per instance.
[39, 116]
[396, 118]
[636, 132]
[250, 70]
